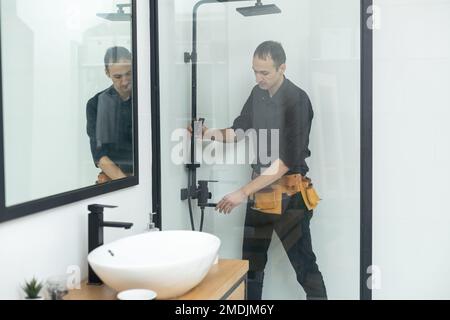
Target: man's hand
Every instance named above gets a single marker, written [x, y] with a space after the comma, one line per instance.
[231, 201]
[220, 135]
[111, 169]
[103, 178]
[204, 129]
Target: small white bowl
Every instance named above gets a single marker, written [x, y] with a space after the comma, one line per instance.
[137, 294]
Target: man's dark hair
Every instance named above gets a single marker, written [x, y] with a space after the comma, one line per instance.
[115, 54]
[271, 49]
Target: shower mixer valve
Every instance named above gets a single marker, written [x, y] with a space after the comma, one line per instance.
[201, 193]
[204, 195]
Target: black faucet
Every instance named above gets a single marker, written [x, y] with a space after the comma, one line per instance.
[96, 225]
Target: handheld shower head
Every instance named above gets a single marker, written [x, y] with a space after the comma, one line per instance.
[259, 9]
[120, 15]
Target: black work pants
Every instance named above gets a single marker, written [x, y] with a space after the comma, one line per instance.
[292, 227]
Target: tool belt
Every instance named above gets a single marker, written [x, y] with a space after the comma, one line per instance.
[270, 199]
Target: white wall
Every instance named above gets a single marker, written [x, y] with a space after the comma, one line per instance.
[47, 243]
[411, 150]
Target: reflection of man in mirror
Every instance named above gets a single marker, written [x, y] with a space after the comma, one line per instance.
[276, 105]
[110, 119]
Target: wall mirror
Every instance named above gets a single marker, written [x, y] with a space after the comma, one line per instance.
[68, 102]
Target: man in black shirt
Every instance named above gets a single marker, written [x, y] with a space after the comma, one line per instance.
[110, 119]
[275, 105]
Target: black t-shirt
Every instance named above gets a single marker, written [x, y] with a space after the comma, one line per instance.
[290, 111]
[121, 153]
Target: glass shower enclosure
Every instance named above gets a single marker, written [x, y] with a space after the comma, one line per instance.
[205, 52]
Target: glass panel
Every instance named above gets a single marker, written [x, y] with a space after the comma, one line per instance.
[411, 173]
[321, 39]
[53, 64]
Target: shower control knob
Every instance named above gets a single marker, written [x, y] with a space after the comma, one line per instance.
[187, 57]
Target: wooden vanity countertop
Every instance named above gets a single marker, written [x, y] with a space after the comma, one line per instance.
[221, 281]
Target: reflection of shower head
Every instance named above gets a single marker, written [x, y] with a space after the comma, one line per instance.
[120, 15]
[259, 9]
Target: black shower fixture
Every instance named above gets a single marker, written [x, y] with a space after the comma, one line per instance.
[193, 191]
[120, 15]
[259, 9]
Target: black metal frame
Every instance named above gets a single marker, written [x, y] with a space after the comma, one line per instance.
[156, 128]
[35, 206]
[192, 191]
[366, 148]
[366, 136]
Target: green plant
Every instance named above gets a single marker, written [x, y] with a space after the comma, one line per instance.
[32, 288]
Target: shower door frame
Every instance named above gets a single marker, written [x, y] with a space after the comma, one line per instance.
[366, 136]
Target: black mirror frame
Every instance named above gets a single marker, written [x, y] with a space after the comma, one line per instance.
[35, 206]
[366, 136]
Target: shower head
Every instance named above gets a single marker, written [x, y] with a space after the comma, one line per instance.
[120, 15]
[259, 9]
[115, 16]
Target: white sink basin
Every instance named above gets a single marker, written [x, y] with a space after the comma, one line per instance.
[168, 262]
